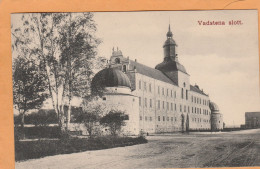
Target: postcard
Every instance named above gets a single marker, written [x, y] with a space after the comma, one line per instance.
[147, 89]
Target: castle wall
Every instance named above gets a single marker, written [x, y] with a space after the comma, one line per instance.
[169, 112]
[129, 105]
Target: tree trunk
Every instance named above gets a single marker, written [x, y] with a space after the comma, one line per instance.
[22, 126]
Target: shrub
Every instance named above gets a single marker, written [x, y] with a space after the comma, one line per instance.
[35, 149]
[114, 120]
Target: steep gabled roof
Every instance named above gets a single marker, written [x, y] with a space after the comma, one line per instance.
[197, 90]
[150, 72]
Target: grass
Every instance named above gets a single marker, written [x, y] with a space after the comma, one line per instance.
[25, 150]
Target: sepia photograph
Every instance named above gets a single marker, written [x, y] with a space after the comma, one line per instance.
[144, 89]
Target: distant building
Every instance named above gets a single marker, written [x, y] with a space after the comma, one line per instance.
[252, 120]
[157, 100]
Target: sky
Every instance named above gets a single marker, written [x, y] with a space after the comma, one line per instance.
[222, 59]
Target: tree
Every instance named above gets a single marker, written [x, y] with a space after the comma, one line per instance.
[41, 117]
[28, 87]
[66, 44]
[90, 116]
[114, 120]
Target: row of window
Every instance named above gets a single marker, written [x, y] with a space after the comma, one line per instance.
[165, 92]
[173, 93]
[169, 106]
[163, 118]
[199, 101]
[198, 120]
[159, 118]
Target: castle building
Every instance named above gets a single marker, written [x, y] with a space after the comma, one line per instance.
[157, 100]
[252, 120]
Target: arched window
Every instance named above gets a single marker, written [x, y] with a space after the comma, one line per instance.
[117, 60]
[124, 68]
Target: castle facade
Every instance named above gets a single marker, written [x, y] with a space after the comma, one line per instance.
[159, 99]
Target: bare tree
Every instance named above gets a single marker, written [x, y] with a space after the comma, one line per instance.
[91, 114]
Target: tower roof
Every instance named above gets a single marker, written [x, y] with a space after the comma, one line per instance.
[213, 106]
[110, 77]
[169, 33]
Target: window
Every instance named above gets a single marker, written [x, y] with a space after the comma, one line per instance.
[163, 104]
[171, 93]
[167, 92]
[168, 118]
[192, 109]
[124, 68]
[188, 109]
[191, 98]
[175, 107]
[140, 101]
[158, 104]
[194, 99]
[145, 102]
[195, 109]
[171, 106]
[186, 94]
[141, 118]
[145, 86]
[175, 118]
[145, 118]
[159, 118]
[151, 119]
[182, 93]
[171, 118]
[117, 60]
[126, 117]
[175, 95]
[184, 108]
[151, 103]
[140, 84]
[162, 91]
[163, 118]
[150, 88]
[180, 108]
[158, 89]
[167, 105]
[104, 98]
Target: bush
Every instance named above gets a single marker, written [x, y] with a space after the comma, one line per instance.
[35, 149]
[37, 132]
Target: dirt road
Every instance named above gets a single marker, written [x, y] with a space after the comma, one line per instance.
[239, 148]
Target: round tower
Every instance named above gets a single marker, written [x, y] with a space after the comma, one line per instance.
[216, 117]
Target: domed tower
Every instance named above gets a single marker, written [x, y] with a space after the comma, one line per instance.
[170, 66]
[115, 88]
[216, 117]
[110, 80]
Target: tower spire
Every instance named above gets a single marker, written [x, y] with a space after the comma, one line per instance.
[169, 33]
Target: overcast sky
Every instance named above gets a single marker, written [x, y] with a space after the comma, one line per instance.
[223, 60]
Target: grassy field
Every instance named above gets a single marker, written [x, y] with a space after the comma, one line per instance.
[194, 150]
[25, 150]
